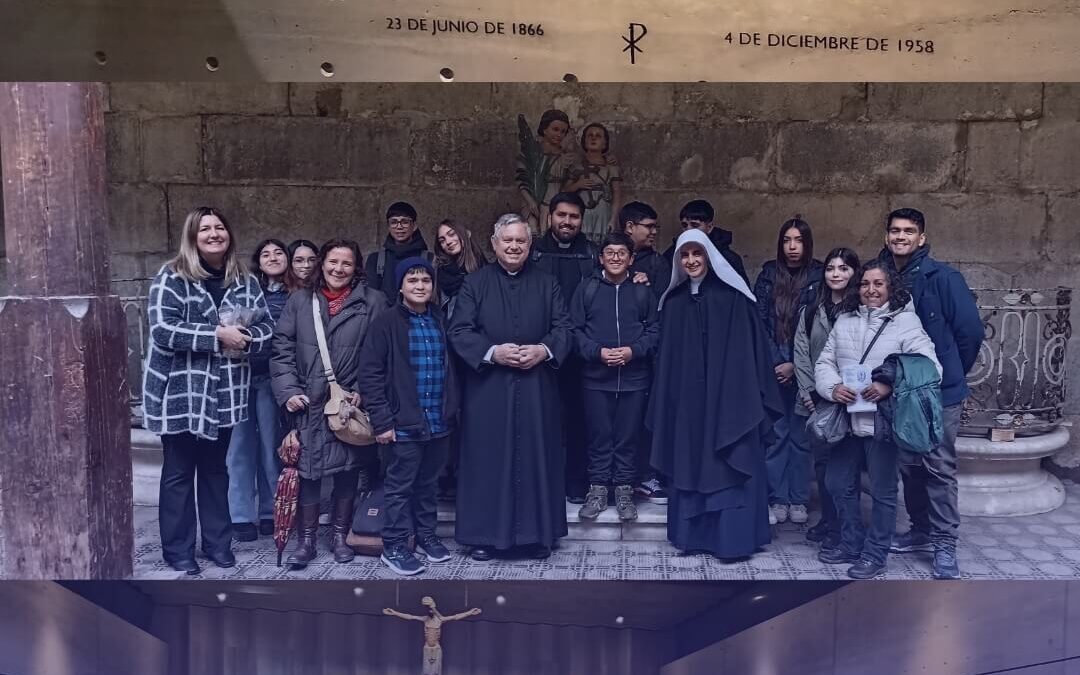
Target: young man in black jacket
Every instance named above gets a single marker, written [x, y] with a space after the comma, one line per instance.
[403, 240]
[408, 386]
[699, 214]
[616, 333]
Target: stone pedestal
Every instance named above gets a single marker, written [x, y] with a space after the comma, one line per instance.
[1007, 478]
[145, 467]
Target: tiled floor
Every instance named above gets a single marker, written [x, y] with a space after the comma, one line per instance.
[1046, 546]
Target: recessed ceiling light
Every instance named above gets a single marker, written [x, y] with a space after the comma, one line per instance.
[222, 597]
[756, 598]
[620, 620]
[358, 592]
[500, 599]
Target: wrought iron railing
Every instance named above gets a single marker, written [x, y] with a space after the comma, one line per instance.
[1019, 379]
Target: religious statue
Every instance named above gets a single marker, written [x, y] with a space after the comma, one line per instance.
[432, 631]
[542, 164]
[597, 179]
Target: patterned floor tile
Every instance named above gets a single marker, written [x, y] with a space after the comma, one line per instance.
[1045, 546]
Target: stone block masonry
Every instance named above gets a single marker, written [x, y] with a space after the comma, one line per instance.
[991, 164]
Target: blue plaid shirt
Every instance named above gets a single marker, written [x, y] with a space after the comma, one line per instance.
[427, 356]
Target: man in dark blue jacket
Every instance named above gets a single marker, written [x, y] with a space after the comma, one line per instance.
[950, 317]
[616, 333]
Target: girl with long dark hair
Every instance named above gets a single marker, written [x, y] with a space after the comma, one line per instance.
[811, 332]
[303, 260]
[253, 462]
[785, 286]
[456, 255]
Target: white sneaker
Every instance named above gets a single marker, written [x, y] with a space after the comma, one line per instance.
[779, 512]
[772, 517]
[798, 514]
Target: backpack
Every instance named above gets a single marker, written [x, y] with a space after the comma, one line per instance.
[380, 262]
[642, 295]
[918, 420]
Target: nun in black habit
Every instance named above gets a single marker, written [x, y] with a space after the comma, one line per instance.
[713, 403]
[512, 330]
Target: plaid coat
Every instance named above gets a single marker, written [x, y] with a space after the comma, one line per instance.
[188, 385]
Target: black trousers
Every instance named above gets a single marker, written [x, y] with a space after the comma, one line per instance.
[411, 487]
[193, 471]
[574, 435]
[614, 421]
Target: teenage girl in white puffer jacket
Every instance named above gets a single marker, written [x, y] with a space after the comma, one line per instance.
[878, 296]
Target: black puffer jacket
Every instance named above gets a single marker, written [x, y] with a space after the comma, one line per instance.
[296, 368]
[763, 291]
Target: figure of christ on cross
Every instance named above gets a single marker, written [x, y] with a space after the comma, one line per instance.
[432, 631]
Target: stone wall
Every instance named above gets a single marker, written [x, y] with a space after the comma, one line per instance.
[992, 165]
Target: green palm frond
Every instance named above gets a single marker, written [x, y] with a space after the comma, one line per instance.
[533, 164]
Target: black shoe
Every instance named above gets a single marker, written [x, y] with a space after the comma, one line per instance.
[480, 554]
[401, 561]
[830, 544]
[266, 527]
[224, 559]
[539, 552]
[945, 565]
[575, 499]
[652, 491]
[187, 566]
[818, 532]
[433, 549]
[865, 569]
[910, 542]
[244, 532]
[835, 556]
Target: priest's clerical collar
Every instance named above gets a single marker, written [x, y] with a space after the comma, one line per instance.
[514, 273]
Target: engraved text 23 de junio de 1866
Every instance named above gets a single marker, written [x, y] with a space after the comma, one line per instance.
[432, 26]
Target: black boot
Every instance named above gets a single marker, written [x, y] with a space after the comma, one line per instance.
[340, 524]
[307, 528]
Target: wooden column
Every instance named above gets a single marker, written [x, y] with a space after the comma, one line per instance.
[65, 457]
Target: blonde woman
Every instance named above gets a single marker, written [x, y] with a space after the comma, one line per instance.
[196, 382]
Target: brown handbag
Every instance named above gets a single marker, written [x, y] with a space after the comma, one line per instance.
[351, 424]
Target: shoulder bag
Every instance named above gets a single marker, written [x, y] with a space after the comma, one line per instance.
[349, 423]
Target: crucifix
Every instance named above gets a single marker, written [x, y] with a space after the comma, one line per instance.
[432, 631]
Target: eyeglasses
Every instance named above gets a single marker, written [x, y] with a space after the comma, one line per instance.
[648, 226]
[616, 254]
[399, 221]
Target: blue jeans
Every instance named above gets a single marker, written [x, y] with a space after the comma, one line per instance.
[842, 478]
[787, 461]
[252, 460]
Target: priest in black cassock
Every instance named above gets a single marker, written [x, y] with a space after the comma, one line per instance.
[712, 406]
[565, 252]
[512, 330]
